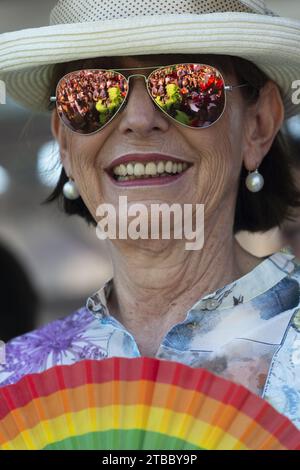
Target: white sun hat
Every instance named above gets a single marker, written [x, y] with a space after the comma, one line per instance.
[82, 29]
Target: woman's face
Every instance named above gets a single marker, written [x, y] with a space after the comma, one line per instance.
[214, 155]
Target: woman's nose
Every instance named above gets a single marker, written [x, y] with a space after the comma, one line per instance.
[140, 115]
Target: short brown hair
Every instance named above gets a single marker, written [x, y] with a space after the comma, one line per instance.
[254, 211]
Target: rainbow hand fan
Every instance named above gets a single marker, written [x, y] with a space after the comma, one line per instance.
[140, 403]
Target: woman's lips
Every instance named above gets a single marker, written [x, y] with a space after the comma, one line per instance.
[146, 169]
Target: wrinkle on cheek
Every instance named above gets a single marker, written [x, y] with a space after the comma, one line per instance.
[219, 169]
[84, 174]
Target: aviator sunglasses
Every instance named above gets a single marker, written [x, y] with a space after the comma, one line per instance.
[193, 95]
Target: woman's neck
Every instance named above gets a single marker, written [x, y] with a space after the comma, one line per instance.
[155, 285]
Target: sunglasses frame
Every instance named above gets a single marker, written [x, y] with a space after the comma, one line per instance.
[53, 99]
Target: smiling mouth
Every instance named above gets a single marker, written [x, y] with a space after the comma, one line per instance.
[136, 170]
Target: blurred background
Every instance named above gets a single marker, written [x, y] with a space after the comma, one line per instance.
[49, 263]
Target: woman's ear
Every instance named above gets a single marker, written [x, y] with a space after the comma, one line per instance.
[59, 134]
[263, 121]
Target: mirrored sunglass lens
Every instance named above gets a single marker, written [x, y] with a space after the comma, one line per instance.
[88, 99]
[193, 94]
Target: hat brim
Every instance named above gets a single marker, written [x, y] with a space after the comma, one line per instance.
[27, 57]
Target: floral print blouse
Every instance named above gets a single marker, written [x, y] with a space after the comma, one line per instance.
[247, 331]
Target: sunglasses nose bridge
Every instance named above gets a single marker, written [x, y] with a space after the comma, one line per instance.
[137, 75]
[140, 75]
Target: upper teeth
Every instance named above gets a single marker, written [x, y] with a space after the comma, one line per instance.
[150, 168]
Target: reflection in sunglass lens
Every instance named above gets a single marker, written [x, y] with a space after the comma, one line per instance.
[88, 99]
[193, 94]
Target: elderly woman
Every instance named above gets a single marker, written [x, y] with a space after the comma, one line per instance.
[214, 140]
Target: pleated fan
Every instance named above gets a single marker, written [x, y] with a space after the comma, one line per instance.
[137, 403]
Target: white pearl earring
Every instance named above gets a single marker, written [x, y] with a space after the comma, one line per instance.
[70, 190]
[255, 181]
